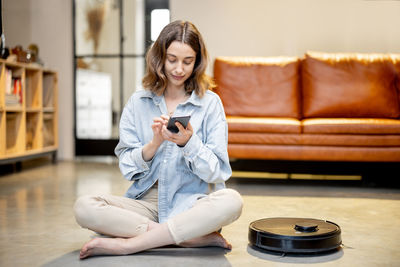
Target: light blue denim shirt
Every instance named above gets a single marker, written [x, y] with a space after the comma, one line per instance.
[184, 174]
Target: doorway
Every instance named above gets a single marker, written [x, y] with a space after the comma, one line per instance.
[111, 38]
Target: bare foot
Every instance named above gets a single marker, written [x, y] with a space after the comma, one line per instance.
[214, 239]
[104, 246]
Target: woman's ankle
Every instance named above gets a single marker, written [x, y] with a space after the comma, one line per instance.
[151, 225]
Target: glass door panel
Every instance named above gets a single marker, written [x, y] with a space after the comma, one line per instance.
[97, 27]
[110, 39]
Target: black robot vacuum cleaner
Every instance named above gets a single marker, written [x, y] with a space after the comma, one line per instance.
[295, 235]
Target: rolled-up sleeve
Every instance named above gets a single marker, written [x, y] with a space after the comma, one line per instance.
[129, 148]
[209, 160]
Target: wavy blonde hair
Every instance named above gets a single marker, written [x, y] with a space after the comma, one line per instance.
[155, 79]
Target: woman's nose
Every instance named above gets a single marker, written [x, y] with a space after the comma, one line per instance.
[179, 67]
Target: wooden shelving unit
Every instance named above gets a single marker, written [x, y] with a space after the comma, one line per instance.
[28, 112]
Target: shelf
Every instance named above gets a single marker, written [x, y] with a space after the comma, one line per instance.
[28, 111]
[14, 64]
[33, 84]
[33, 109]
[48, 135]
[49, 82]
[28, 154]
[2, 86]
[2, 133]
[34, 138]
[14, 108]
[48, 109]
[48, 130]
[15, 128]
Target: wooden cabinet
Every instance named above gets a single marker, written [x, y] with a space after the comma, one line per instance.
[28, 111]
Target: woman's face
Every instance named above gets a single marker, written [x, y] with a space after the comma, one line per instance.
[179, 63]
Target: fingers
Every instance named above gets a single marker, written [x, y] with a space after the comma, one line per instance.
[161, 118]
[157, 126]
[166, 133]
[180, 126]
[165, 117]
[158, 122]
[180, 138]
[189, 127]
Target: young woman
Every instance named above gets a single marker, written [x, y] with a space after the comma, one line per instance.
[178, 195]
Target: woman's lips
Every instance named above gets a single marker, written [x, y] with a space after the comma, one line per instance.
[177, 77]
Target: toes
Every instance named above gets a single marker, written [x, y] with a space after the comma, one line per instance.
[85, 251]
[83, 255]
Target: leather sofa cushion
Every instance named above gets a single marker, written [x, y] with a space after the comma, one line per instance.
[363, 140]
[258, 87]
[315, 139]
[351, 126]
[317, 153]
[266, 125]
[264, 138]
[396, 60]
[349, 85]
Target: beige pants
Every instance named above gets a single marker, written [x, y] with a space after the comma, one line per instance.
[125, 217]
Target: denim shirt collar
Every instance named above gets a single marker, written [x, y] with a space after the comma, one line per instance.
[194, 99]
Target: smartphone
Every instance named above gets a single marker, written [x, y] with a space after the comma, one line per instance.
[184, 120]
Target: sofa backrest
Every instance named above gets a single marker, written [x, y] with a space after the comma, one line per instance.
[350, 85]
[258, 87]
[396, 61]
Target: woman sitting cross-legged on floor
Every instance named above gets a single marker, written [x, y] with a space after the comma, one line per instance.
[178, 195]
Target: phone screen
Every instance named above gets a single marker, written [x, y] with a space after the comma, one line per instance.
[184, 120]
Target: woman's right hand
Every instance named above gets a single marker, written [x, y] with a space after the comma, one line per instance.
[157, 126]
[150, 149]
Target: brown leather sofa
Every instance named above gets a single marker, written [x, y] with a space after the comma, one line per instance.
[322, 107]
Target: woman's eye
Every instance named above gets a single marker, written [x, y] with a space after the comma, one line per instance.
[171, 60]
[187, 63]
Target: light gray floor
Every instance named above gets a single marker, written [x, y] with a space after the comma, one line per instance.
[37, 227]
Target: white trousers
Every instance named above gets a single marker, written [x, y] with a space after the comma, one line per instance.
[125, 217]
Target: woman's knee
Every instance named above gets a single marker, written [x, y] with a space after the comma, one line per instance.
[83, 211]
[234, 201]
[231, 203]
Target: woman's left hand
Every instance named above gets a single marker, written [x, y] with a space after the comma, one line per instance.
[180, 138]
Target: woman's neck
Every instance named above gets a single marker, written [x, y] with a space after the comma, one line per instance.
[173, 97]
[174, 93]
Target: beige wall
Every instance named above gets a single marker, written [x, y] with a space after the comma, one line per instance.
[47, 23]
[291, 27]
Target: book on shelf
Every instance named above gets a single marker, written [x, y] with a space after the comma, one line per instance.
[8, 78]
[13, 89]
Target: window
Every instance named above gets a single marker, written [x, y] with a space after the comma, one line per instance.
[159, 19]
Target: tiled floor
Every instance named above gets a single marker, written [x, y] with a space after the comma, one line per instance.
[37, 227]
